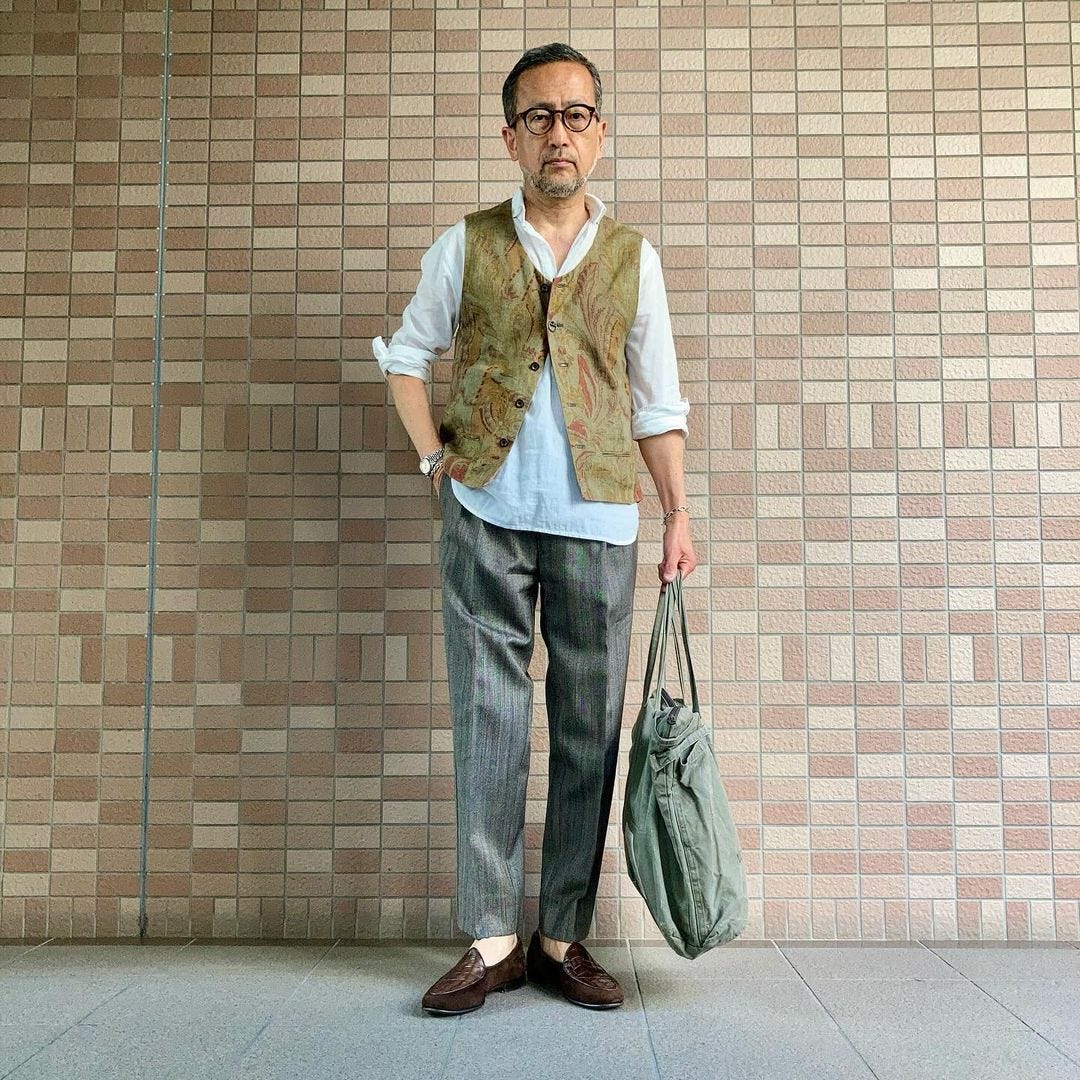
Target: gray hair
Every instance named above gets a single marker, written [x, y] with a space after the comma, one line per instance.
[544, 54]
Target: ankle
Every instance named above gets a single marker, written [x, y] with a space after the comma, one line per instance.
[555, 948]
[494, 949]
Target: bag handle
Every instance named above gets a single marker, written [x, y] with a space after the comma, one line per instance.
[686, 642]
[678, 654]
[659, 635]
[671, 599]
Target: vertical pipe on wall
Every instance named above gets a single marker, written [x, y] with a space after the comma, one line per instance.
[155, 391]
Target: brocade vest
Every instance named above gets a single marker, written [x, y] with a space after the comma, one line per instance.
[510, 319]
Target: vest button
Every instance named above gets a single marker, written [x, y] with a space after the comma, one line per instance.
[553, 325]
[534, 366]
[504, 442]
[520, 403]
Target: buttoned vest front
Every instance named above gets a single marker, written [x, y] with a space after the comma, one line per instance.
[511, 317]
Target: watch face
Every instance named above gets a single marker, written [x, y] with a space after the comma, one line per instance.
[425, 466]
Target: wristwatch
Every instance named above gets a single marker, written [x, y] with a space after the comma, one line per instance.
[428, 463]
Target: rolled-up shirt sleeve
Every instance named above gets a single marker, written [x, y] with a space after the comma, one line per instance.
[656, 404]
[430, 319]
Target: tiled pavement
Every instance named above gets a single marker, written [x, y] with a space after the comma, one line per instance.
[344, 1011]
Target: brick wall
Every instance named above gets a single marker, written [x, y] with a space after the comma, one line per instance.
[867, 215]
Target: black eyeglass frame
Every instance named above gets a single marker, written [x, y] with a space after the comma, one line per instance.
[594, 114]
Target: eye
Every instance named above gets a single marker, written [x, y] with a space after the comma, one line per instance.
[577, 116]
[538, 116]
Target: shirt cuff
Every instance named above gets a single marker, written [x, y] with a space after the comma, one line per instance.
[402, 361]
[656, 419]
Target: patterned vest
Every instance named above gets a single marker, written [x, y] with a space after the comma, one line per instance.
[511, 318]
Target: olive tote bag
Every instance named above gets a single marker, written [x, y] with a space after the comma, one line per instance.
[682, 850]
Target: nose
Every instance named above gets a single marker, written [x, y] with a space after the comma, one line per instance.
[557, 119]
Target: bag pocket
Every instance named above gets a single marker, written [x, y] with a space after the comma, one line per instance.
[687, 828]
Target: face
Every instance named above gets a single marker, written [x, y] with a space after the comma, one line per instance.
[556, 164]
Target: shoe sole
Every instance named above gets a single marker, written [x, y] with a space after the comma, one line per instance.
[554, 988]
[513, 984]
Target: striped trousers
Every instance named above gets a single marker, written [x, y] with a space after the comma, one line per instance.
[491, 578]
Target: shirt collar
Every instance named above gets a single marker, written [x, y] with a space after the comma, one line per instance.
[593, 205]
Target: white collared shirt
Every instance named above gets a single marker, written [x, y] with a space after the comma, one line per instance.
[536, 488]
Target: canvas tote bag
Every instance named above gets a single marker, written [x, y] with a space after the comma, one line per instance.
[682, 850]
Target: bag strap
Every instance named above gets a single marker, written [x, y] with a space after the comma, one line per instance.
[671, 600]
[659, 639]
[678, 654]
[678, 661]
[686, 642]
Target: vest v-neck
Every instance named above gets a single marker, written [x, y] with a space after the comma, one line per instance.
[519, 197]
[537, 272]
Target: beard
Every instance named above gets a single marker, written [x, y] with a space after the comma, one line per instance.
[553, 188]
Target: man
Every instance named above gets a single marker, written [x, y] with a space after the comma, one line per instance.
[564, 357]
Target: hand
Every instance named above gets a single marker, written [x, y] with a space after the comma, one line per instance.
[436, 478]
[678, 549]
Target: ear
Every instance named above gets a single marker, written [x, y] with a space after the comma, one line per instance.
[509, 135]
[602, 129]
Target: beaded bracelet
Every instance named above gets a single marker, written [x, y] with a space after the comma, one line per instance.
[675, 510]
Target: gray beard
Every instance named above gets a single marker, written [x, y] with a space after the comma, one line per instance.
[556, 189]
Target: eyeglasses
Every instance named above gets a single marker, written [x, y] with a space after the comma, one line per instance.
[574, 118]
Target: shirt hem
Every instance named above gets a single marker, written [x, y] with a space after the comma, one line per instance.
[526, 528]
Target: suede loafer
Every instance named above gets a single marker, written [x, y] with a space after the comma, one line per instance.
[579, 977]
[464, 987]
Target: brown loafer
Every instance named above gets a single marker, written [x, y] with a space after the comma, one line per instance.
[464, 987]
[580, 978]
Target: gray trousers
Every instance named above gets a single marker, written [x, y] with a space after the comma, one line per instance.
[490, 580]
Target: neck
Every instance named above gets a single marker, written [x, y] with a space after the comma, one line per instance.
[560, 216]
